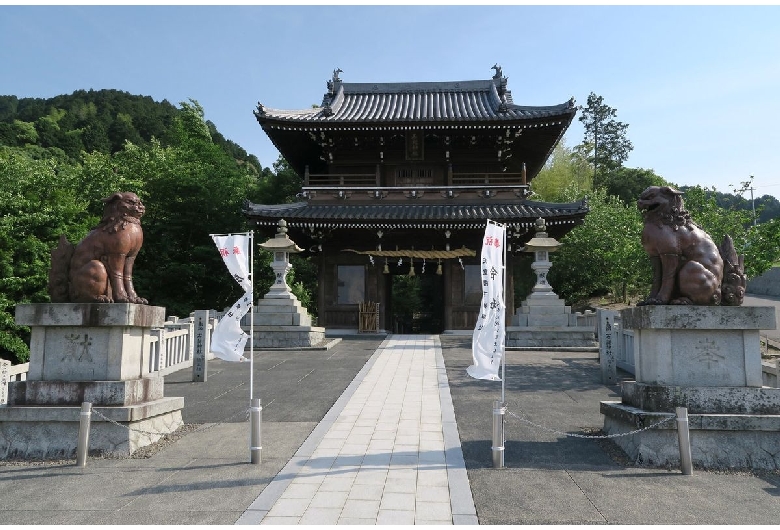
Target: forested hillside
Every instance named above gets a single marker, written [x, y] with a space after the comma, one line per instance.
[96, 120]
[59, 157]
[767, 207]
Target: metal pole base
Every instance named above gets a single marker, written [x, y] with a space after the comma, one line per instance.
[499, 410]
[85, 420]
[255, 419]
[683, 438]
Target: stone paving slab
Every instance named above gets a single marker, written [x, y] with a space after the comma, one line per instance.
[388, 451]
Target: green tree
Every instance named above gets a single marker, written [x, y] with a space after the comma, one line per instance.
[629, 183]
[25, 132]
[39, 201]
[279, 186]
[603, 255]
[192, 188]
[121, 131]
[565, 174]
[605, 144]
[760, 243]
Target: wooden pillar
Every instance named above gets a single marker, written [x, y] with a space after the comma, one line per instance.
[322, 272]
[382, 291]
[447, 271]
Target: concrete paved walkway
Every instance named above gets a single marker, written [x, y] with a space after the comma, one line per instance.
[388, 452]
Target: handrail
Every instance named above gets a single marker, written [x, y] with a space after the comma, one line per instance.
[472, 178]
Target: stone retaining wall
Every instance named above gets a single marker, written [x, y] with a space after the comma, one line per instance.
[768, 284]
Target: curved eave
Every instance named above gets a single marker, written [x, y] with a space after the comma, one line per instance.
[394, 216]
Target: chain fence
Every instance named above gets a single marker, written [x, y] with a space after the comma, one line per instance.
[151, 433]
[211, 426]
[591, 437]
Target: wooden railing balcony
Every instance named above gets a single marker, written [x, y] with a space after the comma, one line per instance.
[487, 179]
[375, 179]
[341, 179]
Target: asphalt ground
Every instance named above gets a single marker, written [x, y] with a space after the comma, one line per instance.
[202, 475]
[551, 478]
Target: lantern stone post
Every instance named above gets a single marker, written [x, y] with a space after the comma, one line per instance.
[544, 320]
[282, 246]
[278, 319]
[541, 246]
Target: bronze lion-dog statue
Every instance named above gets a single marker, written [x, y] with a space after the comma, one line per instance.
[100, 268]
[688, 268]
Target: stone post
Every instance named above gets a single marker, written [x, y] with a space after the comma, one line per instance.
[5, 369]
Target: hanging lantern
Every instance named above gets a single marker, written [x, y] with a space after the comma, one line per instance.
[386, 270]
[438, 268]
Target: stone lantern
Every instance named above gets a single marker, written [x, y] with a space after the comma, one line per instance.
[282, 246]
[541, 246]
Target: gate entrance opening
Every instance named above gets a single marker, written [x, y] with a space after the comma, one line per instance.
[417, 302]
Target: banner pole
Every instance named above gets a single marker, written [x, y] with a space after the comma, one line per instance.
[503, 346]
[255, 409]
[251, 316]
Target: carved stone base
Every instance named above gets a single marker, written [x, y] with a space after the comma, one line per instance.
[545, 321]
[89, 342]
[707, 359]
[96, 353]
[545, 337]
[283, 323]
[41, 432]
[718, 441]
[698, 345]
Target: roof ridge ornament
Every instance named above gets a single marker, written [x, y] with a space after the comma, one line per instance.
[500, 82]
[260, 111]
[332, 85]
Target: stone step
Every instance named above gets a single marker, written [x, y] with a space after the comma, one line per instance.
[74, 393]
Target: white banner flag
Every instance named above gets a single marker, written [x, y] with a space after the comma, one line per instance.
[234, 249]
[487, 344]
[228, 340]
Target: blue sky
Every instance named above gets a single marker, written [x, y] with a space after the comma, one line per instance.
[699, 86]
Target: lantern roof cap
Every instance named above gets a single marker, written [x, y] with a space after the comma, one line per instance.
[281, 241]
[540, 241]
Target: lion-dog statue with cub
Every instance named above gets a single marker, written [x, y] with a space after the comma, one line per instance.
[688, 268]
[100, 268]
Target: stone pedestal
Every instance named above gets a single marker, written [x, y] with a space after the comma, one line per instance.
[545, 321]
[707, 359]
[87, 352]
[282, 322]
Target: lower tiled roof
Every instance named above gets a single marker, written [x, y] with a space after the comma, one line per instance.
[307, 214]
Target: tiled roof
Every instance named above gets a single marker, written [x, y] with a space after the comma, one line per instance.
[428, 102]
[430, 215]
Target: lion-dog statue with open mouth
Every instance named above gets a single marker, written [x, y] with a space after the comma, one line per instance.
[688, 268]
